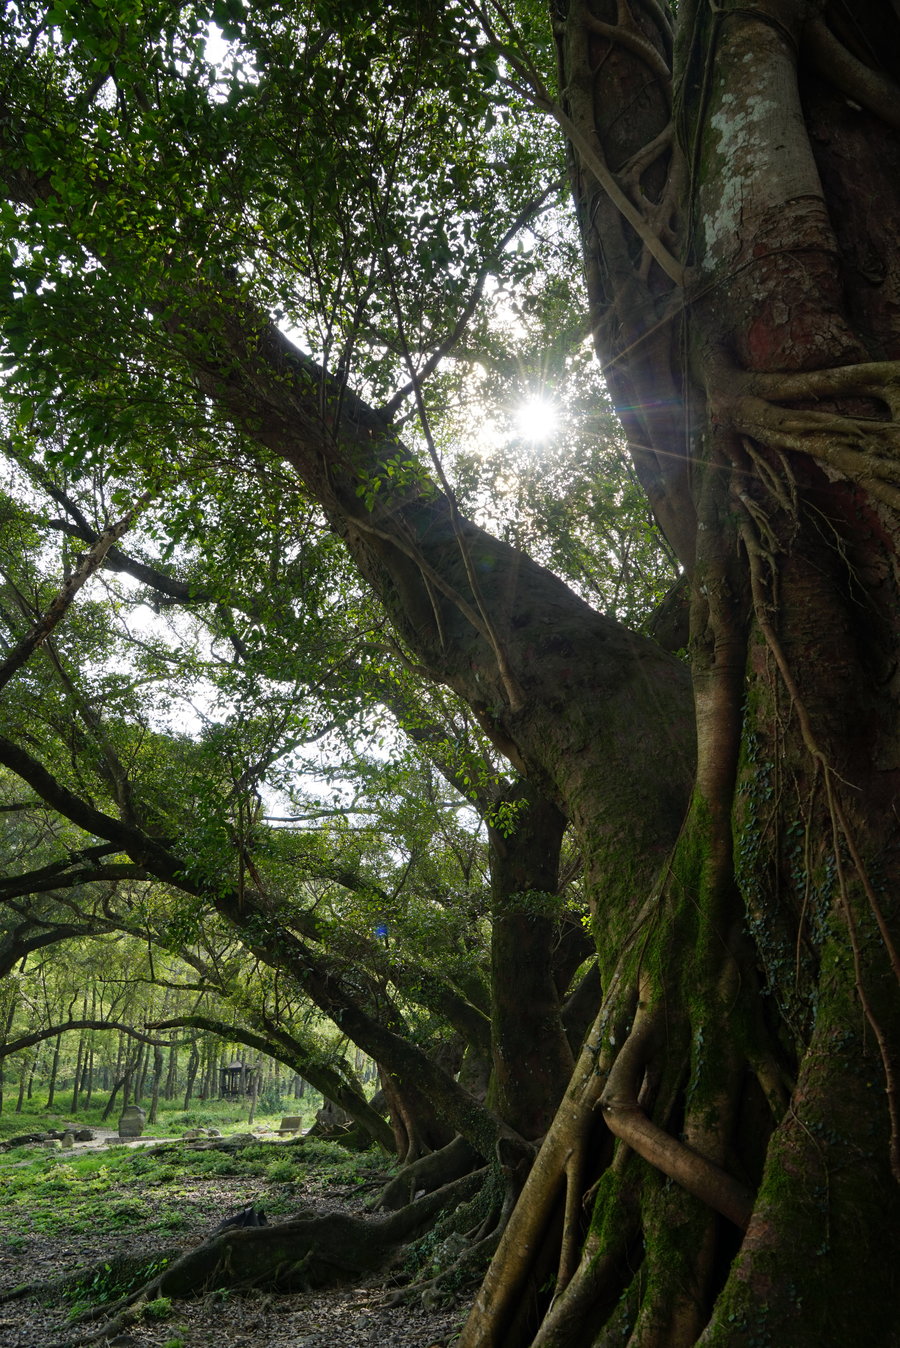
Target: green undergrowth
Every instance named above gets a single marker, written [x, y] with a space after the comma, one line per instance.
[227, 1115]
[115, 1278]
[103, 1192]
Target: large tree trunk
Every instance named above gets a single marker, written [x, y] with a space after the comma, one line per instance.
[532, 1060]
[750, 1035]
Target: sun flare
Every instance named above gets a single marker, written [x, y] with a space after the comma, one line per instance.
[536, 420]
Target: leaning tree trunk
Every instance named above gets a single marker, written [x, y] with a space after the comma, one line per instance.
[749, 1040]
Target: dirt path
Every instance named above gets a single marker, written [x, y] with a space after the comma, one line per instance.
[339, 1318]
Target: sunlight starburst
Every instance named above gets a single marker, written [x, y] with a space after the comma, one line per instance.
[536, 420]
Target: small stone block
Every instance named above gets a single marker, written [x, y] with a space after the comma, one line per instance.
[292, 1124]
[131, 1121]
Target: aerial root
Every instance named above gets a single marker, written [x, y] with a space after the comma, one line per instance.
[872, 379]
[864, 449]
[595, 1285]
[627, 1120]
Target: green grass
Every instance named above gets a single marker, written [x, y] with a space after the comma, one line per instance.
[227, 1115]
[57, 1192]
[51, 1192]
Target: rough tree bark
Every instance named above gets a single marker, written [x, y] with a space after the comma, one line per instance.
[749, 1038]
[531, 1057]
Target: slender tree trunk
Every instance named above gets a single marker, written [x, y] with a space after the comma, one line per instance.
[208, 1058]
[12, 1003]
[88, 1075]
[110, 1104]
[190, 1076]
[157, 1077]
[171, 1075]
[79, 1060]
[118, 1070]
[254, 1090]
[23, 1081]
[128, 1083]
[32, 1073]
[139, 1074]
[54, 1069]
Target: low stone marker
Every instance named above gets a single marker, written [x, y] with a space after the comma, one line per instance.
[291, 1124]
[131, 1121]
[68, 1140]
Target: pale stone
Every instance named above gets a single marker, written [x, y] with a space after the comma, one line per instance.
[131, 1121]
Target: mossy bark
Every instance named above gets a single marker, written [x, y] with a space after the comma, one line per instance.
[747, 1050]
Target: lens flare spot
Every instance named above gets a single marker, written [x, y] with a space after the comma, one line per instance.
[537, 420]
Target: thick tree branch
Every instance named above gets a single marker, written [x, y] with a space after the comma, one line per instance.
[118, 561]
[38, 1036]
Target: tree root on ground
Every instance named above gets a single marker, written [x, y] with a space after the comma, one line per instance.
[123, 1270]
[467, 1268]
[456, 1251]
[428, 1173]
[305, 1252]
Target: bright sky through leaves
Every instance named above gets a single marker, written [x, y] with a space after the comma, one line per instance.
[537, 420]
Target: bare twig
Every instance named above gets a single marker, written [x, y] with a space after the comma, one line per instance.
[60, 603]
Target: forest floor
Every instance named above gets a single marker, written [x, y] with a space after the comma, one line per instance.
[69, 1219]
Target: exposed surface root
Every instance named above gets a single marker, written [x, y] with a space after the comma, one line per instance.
[306, 1252]
[428, 1173]
[466, 1268]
